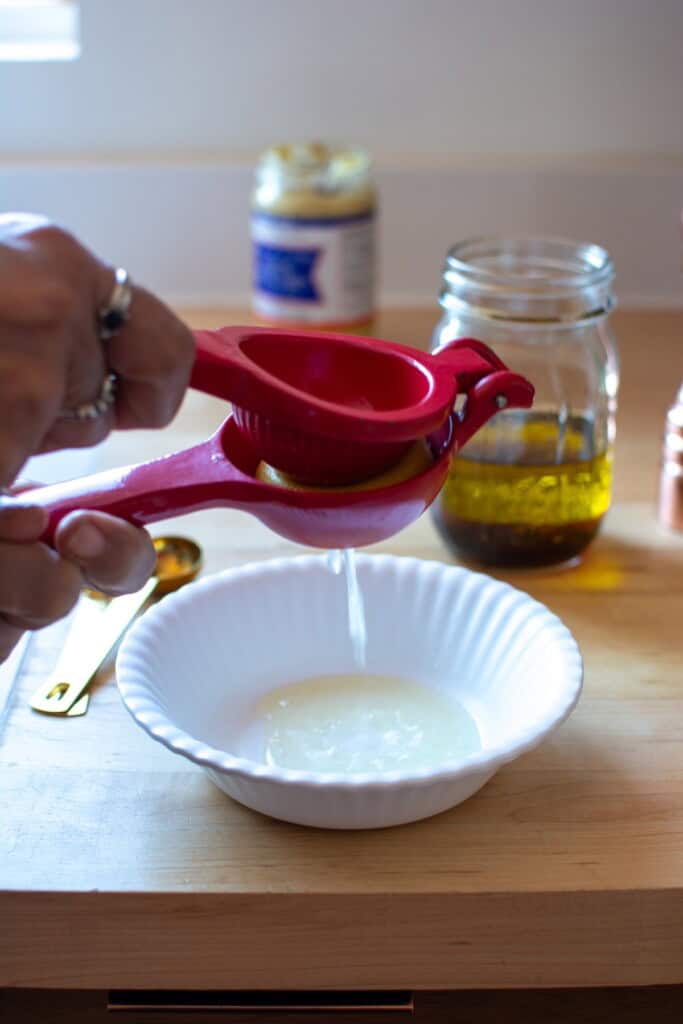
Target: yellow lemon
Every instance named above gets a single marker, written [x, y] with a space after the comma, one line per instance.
[415, 461]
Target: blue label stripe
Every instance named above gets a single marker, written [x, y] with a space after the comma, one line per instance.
[286, 273]
[306, 222]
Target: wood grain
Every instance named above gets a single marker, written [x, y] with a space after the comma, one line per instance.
[122, 866]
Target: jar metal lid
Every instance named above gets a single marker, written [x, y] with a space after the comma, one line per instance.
[315, 166]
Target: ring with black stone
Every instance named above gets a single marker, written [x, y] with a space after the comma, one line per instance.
[112, 317]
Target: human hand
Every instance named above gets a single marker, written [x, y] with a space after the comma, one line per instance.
[52, 358]
[39, 585]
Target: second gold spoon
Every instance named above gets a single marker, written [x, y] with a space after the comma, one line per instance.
[95, 630]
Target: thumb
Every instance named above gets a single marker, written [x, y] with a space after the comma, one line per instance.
[112, 555]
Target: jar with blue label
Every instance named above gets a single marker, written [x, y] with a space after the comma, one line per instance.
[313, 235]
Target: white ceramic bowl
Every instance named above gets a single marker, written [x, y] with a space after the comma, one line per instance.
[193, 668]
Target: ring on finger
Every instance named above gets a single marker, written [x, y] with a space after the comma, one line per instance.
[92, 410]
[112, 317]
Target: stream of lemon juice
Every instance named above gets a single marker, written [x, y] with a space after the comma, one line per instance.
[344, 563]
[360, 722]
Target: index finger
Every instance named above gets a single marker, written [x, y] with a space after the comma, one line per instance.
[152, 355]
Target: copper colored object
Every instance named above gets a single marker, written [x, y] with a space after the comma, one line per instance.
[671, 480]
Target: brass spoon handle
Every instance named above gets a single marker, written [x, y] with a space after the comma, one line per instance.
[91, 638]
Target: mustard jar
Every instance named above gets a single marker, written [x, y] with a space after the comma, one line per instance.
[313, 236]
[533, 486]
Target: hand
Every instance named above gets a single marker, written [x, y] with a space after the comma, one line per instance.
[39, 585]
[52, 359]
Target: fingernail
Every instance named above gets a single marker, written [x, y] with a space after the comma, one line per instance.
[86, 542]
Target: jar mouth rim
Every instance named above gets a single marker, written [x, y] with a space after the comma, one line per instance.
[552, 262]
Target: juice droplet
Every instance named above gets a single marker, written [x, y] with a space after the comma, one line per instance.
[335, 560]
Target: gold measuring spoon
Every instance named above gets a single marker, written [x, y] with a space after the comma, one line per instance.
[97, 628]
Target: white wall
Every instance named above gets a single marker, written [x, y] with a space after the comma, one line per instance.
[183, 228]
[439, 78]
[484, 116]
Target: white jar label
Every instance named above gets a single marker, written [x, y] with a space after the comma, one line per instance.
[313, 271]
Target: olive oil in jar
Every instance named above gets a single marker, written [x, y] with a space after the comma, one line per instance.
[532, 488]
[534, 496]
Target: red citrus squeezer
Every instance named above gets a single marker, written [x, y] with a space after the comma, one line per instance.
[328, 410]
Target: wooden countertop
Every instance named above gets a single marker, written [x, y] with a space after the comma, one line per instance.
[121, 865]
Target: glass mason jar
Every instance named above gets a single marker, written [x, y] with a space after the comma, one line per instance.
[532, 487]
[313, 234]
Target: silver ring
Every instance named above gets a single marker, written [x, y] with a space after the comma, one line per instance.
[92, 410]
[111, 318]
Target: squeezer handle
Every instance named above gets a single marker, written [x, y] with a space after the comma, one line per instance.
[488, 385]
